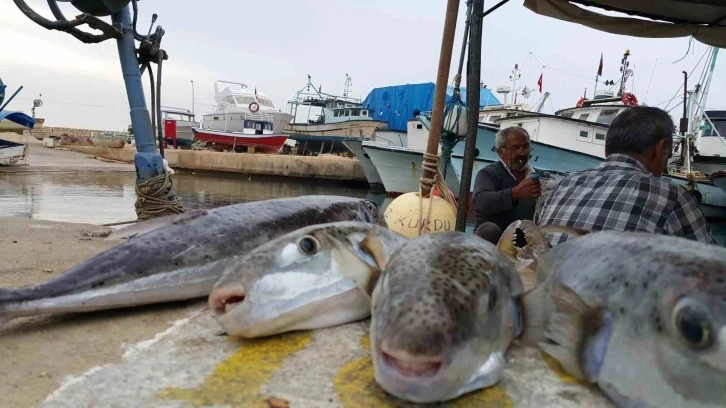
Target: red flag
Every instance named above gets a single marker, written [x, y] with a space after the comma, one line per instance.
[599, 68]
[539, 82]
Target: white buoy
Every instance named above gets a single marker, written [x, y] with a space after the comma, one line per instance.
[402, 215]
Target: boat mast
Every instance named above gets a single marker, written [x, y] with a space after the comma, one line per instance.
[706, 87]
[625, 72]
[514, 77]
[348, 84]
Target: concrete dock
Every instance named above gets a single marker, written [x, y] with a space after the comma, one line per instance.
[174, 356]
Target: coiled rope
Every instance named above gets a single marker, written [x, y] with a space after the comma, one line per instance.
[431, 163]
[155, 197]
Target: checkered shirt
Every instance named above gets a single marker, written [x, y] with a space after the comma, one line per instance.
[621, 194]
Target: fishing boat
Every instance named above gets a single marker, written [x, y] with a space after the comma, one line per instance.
[340, 118]
[710, 157]
[573, 139]
[388, 157]
[12, 152]
[243, 119]
[178, 124]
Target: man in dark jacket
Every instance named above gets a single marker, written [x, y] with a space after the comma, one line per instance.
[503, 190]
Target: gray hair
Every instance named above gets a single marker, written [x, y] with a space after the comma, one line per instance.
[637, 130]
[501, 137]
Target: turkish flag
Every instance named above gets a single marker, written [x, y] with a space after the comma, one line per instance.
[539, 83]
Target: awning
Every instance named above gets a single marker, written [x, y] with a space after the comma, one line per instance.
[705, 20]
[18, 117]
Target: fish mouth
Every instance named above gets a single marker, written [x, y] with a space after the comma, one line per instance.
[224, 300]
[410, 366]
[519, 237]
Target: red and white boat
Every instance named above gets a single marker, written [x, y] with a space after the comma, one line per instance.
[243, 117]
[259, 137]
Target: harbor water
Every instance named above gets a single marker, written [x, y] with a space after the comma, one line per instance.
[109, 197]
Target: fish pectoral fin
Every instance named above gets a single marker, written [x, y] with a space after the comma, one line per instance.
[553, 229]
[522, 264]
[533, 316]
[360, 271]
[373, 247]
[568, 329]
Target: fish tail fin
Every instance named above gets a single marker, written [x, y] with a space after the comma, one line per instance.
[565, 336]
[533, 326]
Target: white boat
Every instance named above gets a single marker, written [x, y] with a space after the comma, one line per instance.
[399, 167]
[237, 104]
[711, 155]
[341, 117]
[11, 152]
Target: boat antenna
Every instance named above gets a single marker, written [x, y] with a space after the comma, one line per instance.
[348, 84]
[625, 72]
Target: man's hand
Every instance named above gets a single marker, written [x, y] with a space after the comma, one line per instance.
[526, 189]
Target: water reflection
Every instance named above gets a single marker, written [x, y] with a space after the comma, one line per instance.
[99, 198]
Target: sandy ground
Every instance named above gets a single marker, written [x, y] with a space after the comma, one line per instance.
[45, 159]
[37, 353]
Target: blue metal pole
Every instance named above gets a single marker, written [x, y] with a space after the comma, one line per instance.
[147, 159]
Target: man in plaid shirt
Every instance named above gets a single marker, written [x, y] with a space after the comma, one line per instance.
[626, 191]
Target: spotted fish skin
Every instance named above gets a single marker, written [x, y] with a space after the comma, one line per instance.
[643, 316]
[176, 261]
[443, 316]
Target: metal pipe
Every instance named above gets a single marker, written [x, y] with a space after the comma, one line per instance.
[57, 13]
[147, 160]
[473, 78]
[447, 45]
[496, 6]
[159, 128]
[152, 90]
[11, 98]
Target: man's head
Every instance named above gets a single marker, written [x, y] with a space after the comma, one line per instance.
[644, 133]
[513, 147]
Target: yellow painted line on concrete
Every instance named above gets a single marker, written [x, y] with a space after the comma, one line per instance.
[237, 380]
[356, 387]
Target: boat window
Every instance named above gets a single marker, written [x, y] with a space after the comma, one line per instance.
[216, 118]
[720, 126]
[265, 101]
[494, 117]
[347, 113]
[599, 136]
[584, 134]
[249, 124]
[355, 112]
[607, 116]
[584, 116]
[268, 126]
[567, 115]
[364, 113]
[244, 100]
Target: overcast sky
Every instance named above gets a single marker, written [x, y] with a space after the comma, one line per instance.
[274, 45]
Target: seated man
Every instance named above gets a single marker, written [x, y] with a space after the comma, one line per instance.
[503, 192]
[626, 192]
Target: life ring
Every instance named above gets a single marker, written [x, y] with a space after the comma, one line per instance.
[254, 107]
[579, 103]
[629, 99]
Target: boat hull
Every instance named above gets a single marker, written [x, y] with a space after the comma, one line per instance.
[708, 164]
[356, 147]
[265, 142]
[400, 169]
[552, 158]
[335, 131]
[11, 152]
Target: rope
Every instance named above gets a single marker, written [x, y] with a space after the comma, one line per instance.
[155, 197]
[431, 163]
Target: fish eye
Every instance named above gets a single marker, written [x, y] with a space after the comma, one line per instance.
[308, 245]
[693, 325]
